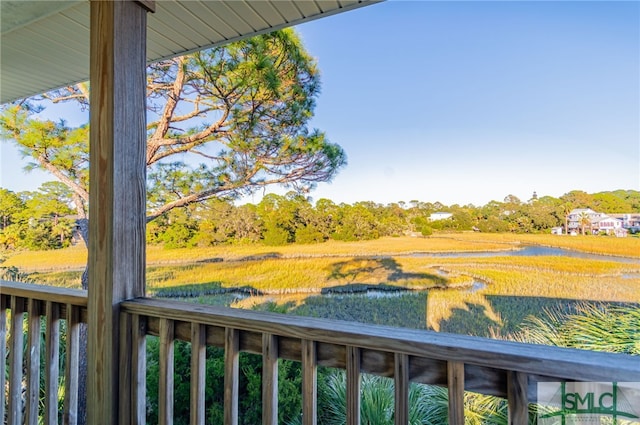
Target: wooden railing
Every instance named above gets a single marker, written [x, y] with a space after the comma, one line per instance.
[461, 363]
[32, 307]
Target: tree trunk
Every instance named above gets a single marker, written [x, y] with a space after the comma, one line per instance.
[83, 226]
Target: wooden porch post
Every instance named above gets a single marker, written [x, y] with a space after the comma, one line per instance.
[117, 190]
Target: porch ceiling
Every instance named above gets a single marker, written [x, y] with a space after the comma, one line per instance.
[45, 44]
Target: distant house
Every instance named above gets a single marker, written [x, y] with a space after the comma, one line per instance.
[628, 219]
[606, 224]
[616, 224]
[556, 230]
[440, 216]
[576, 215]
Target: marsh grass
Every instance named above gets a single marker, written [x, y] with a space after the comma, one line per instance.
[60, 259]
[518, 287]
[557, 276]
[291, 277]
[63, 279]
[287, 275]
[76, 257]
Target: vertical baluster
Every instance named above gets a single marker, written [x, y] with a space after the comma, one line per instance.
[52, 375]
[3, 353]
[353, 385]
[132, 394]
[33, 363]
[455, 381]
[165, 380]
[70, 416]
[198, 357]
[231, 375]
[401, 381]
[309, 383]
[517, 398]
[139, 369]
[269, 379]
[16, 357]
[124, 371]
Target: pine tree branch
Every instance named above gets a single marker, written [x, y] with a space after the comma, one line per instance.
[77, 189]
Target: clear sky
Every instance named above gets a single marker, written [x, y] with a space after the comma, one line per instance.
[468, 102]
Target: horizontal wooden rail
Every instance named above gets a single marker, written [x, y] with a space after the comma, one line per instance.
[62, 297]
[532, 359]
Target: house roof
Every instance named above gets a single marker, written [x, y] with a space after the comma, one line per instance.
[45, 44]
[605, 218]
[582, 210]
[630, 216]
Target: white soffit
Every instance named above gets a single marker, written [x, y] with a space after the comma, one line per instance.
[44, 45]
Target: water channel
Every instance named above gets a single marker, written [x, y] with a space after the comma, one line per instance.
[531, 251]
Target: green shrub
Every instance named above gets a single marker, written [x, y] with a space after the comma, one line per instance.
[596, 327]
[428, 404]
[275, 236]
[250, 385]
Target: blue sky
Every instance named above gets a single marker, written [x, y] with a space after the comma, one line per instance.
[467, 102]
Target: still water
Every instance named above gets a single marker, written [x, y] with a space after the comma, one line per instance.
[531, 251]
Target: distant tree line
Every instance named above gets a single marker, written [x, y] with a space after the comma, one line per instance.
[44, 219]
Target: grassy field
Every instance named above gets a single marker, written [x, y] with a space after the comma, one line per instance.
[76, 257]
[291, 278]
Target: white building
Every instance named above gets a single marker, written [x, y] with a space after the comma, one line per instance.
[556, 230]
[598, 222]
[628, 219]
[606, 224]
[440, 216]
[575, 216]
